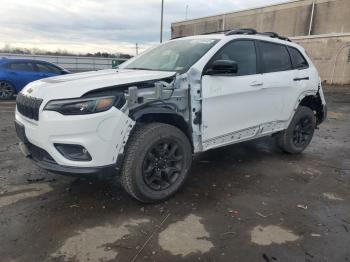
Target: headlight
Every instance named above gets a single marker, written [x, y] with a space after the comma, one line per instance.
[85, 105]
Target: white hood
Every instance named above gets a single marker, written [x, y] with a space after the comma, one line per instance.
[75, 85]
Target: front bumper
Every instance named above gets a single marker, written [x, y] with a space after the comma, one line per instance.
[104, 135]
[42, 159]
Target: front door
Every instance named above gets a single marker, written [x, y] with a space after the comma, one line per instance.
[234, 106]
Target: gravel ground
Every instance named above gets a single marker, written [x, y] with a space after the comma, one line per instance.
[246, 202]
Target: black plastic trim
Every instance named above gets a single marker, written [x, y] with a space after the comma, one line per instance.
[106, 171]
[242, 31]
[137, 114]
[74, 171]
[62, 149]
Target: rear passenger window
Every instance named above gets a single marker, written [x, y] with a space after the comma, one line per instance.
[46, 68]
[243, 53]
[22, 66]
[274, 57]
[298, 59]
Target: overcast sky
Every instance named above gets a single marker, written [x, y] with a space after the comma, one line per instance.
[101, 25]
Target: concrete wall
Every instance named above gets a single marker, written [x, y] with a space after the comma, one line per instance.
[72, 63]
[328, 45]
[331, 56]
[288, 19]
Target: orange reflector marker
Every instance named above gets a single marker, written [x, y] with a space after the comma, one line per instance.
[104, 103]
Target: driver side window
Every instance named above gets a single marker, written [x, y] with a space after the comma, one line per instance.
[243, 53]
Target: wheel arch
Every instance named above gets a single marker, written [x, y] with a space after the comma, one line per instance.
[314, 102]
[162, 115]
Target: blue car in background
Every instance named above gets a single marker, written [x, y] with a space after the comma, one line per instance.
[17, 73]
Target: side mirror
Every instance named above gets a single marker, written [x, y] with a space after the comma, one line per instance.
[222, 67]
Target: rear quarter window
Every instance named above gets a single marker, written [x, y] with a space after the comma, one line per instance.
[298, 60]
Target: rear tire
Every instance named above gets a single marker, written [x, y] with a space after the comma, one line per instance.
[157, 161]
[7, 90]
[299, 133]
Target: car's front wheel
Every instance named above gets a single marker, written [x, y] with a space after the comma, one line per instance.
[299, 133]
[157, 161]
[7, 90]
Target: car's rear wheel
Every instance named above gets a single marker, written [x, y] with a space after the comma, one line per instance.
[300, 131]
[7, 90]
[157, 161]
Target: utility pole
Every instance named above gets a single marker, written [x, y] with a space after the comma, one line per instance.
[137, 48]
[186, 12]
[161, 22]
[311, 16]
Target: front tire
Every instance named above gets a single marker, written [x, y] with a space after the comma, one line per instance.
[157, 161]
[7, 90]
[299, 133]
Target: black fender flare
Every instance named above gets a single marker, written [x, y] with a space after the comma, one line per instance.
[136, 114]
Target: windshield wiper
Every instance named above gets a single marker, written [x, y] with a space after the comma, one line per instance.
[140, 68]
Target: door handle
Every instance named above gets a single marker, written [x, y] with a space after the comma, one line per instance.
[256, 83]
[301, 78]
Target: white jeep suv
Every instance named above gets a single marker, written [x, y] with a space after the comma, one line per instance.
[145, 120]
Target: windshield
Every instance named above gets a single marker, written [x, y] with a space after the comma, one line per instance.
[178, 55]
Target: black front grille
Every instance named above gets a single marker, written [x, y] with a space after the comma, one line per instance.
[28, 106]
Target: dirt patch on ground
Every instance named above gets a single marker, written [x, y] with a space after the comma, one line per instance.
[268, 235]
[95, 244]
[13, 194]
[332, 196]
[185, 237]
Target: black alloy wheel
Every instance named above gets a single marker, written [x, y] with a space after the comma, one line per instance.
[163, 164]
[299, 133]
[303, 131]
[156, 163]
[6, 90]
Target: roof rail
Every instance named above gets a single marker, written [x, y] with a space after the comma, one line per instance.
[215, 32]
[246, 31]
[275, 35]
[284, 38]
[270, 34]
[242, 31]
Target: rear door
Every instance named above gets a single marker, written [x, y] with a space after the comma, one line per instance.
[233, 106]
[278, 77]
